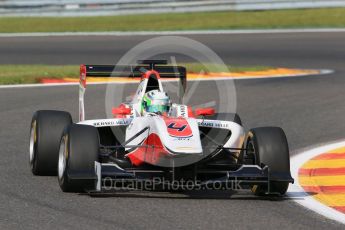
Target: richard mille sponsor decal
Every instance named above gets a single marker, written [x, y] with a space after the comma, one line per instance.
[110, 123]
[213, 125]
[183, 111]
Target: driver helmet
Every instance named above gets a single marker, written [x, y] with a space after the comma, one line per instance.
[156, 101]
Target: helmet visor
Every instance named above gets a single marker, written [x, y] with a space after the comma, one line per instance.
[157, 108]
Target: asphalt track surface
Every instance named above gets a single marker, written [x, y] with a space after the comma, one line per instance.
[310, 109]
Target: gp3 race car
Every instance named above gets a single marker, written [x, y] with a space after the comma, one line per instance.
[151, 139]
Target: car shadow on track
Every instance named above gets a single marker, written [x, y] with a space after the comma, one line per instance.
[201, 194]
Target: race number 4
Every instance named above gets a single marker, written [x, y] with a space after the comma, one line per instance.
[173, 126]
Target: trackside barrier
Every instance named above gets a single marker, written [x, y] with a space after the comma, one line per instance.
[118, 7]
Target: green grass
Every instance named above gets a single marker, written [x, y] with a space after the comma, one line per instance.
[301, 18]
[21, 74]
[25, 74]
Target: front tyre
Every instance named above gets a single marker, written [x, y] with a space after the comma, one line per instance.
[45, 134]
[268, 146]
[78, 152]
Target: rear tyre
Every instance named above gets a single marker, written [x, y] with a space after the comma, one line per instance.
[79, 149]
[269, 146]
[45, 134]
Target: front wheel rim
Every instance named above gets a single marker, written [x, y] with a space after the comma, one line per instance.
[33, 137]
[62, 158]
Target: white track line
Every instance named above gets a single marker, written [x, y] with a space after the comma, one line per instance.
[184, 32]
[297, 193]
[322, 72]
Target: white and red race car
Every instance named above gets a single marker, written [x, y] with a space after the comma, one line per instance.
[145, 144]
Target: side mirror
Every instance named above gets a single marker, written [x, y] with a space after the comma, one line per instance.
[121, 111]
[204, 112]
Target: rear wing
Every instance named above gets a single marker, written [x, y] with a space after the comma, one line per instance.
[129, 71]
